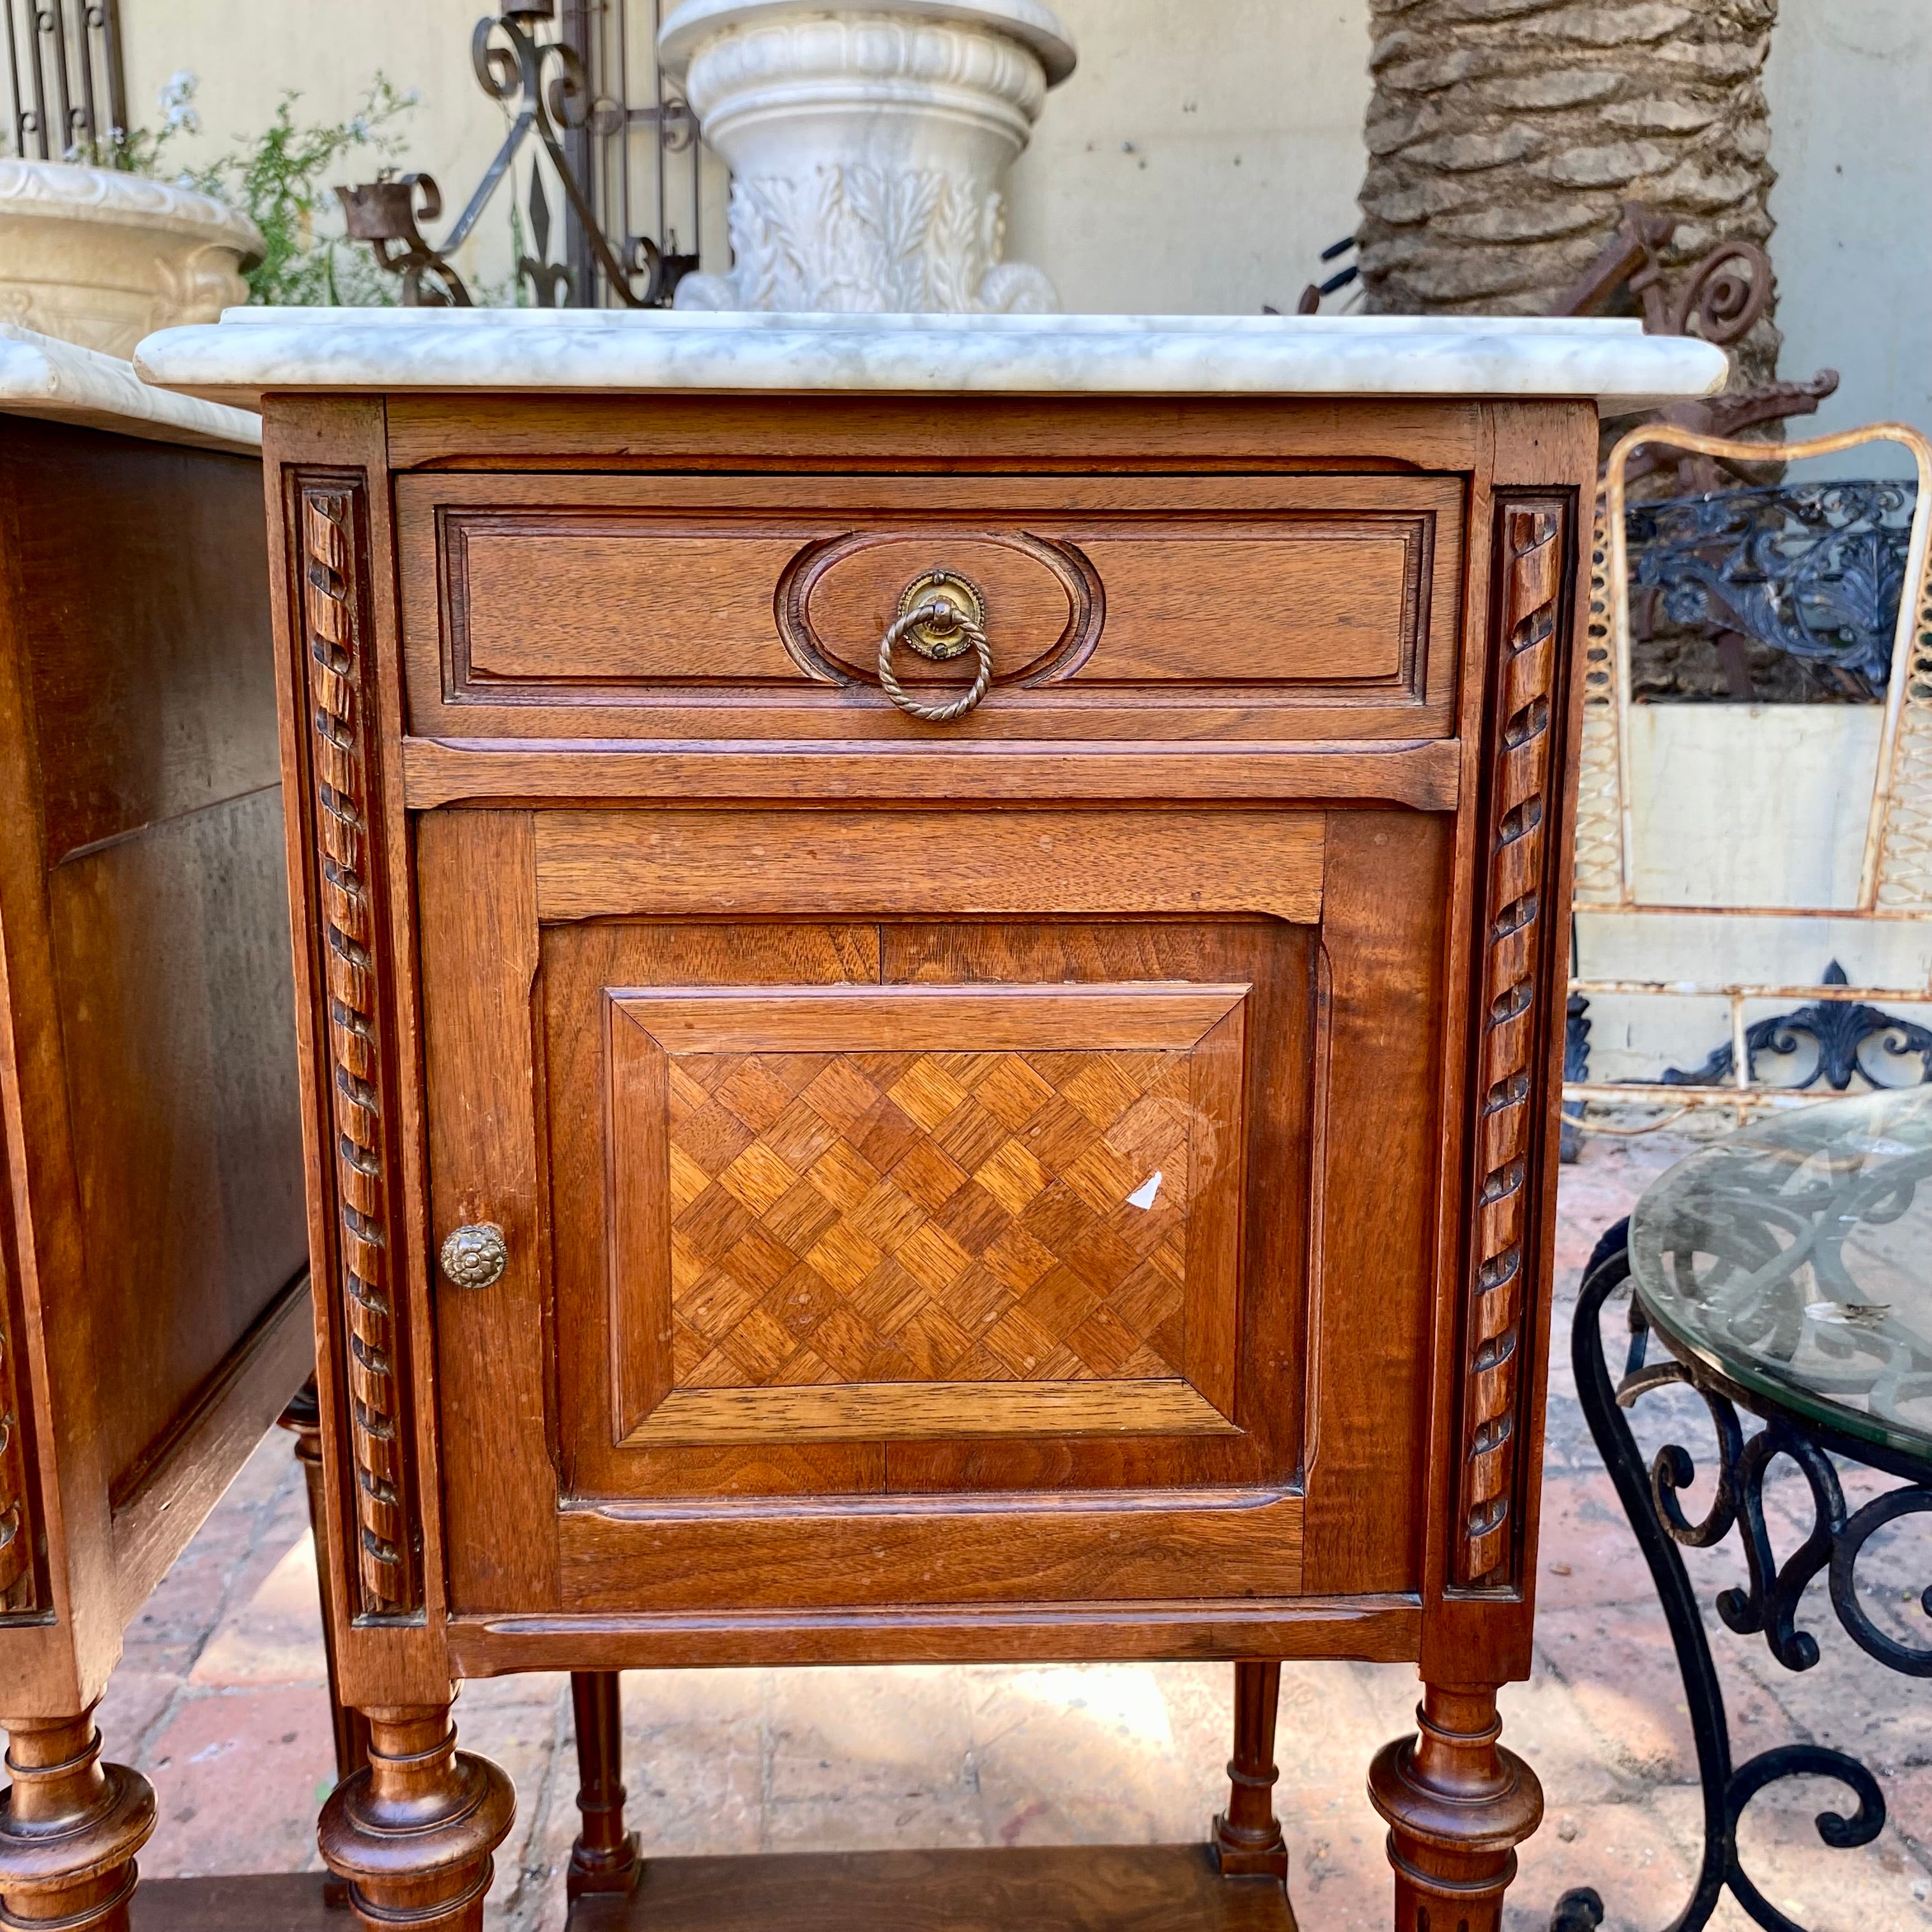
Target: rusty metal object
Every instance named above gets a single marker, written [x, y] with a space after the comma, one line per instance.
[1724, 301]
[385, 215]
[548, 89]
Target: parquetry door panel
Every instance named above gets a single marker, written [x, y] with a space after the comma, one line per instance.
[923, 1211]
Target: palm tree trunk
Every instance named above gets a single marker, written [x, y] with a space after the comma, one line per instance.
[1505, 135]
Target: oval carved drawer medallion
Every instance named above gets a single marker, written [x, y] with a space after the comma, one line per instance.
[1045, 605]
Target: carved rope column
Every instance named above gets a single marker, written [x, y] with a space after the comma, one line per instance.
[1519, 945]
[1456, 1803]
[412, 1832]
[332, 521]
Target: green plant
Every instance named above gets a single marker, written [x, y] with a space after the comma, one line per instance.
[138, 150]
[276, 178]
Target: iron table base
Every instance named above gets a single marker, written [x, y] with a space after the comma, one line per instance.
[1769, 1603]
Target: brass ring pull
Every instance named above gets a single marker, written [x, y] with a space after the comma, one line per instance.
[942, 622]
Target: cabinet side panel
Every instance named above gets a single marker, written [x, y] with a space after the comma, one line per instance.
[171, 957]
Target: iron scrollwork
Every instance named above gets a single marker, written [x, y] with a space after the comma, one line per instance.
[1839, 1030]
[1576, 1067]
[385, 214]
[1768, 1604]
[1814, 570]
[547, 90]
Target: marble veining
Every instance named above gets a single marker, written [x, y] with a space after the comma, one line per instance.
[253, 350]
[40, 376]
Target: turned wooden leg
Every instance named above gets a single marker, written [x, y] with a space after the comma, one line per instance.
[412, 1832]
[69, 1828]
[604, 1858]
[1248, 1842]
[1457, 1806]
[303, 1420]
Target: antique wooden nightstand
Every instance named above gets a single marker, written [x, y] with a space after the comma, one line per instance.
[928, 961]
[153, 1271]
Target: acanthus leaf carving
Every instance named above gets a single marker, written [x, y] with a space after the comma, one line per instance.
[850, 238]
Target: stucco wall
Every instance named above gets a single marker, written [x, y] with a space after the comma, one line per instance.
[1202, 156]
[1850, 87]
[1201, 171]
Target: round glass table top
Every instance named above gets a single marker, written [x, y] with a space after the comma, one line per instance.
[1795, 1258]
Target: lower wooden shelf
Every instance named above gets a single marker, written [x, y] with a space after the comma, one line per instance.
[270, 1902]
[1067, 1889]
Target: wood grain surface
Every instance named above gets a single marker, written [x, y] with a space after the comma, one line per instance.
[661, 864]
[1087, 1889]
[152, 1242]
[264, 1902]
[756, 1554]
[1280, 608]
[1264, 719]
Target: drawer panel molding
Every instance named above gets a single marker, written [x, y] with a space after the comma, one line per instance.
[1179, 608]
[669, 863]
[1045, 602]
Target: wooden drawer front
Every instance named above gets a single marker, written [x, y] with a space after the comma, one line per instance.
[1169, 608]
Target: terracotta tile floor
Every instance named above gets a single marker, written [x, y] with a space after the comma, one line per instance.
[219, 1700]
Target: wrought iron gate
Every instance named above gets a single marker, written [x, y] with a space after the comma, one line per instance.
[604, 134]
[67, 87]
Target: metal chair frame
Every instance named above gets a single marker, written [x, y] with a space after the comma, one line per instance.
[1895, 880]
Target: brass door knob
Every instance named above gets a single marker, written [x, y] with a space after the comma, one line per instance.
[475, 1257]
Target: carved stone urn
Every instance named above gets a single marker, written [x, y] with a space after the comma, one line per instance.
[868, 141]
[95, 256]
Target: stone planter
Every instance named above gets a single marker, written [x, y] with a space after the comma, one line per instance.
[868, 142]
[102, 259]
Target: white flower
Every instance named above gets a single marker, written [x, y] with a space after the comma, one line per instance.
[177, 102]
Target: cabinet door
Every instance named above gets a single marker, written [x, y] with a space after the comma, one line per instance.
[903, 1207]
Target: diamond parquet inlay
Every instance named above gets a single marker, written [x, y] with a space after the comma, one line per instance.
[935, 1216]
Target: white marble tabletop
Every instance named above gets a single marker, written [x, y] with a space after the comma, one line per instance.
[40, 376]
[253, 351]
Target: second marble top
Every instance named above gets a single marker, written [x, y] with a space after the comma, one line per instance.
[254, 351]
